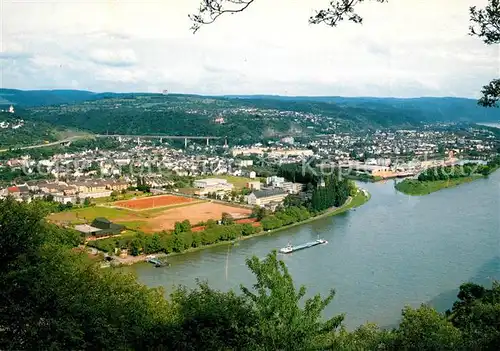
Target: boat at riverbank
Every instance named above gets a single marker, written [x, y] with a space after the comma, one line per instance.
[289, 248]
[156, 262]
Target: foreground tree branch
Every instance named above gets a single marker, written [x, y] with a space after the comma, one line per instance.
[491, 94]
[337, 11]
[485, 24]
[210, 10]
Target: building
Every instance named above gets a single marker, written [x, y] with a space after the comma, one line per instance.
[253, 185]
[63, 199]
[292, 188]
[244, 163]
[266, 197]
[288, 140]
[211, 185]
[107, 227]
[14, 191]
[275, 181]
[86, 229]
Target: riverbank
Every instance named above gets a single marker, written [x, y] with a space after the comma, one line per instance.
[418, 188]
[352, 202]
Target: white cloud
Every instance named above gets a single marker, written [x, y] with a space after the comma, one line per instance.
[404, 48]
[119, 58]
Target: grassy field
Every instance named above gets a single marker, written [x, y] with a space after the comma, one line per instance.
[147, 220]
[418, 188]
[88, 214]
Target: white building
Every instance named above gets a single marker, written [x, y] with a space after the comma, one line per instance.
[275, 181]
[211, 185]
[266, 197]
[244, 163]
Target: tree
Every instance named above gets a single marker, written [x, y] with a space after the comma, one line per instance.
[87, 202]
[185, 226]
[135, 247]
[259, 213]
[425, 329]
[212, 320]
[59, 299]
[485, 24]
[154, 244]
[277, 304]
[227, 219]
[114, 195]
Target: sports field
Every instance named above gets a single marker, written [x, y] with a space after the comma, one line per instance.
[195, 213]
[153, 202]
[151, 214]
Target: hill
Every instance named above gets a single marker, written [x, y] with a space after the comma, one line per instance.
[446, 109]
[17, 132]
[244, 119]
[30, 98]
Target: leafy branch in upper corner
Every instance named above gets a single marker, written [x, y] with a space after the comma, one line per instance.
[210, 10]
[486, 22]
[491, 94]
[486, 25]
[336, 11]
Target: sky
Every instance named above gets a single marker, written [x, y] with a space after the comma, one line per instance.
[405, 48]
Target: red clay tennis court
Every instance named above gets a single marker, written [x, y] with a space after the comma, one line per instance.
[153, 201]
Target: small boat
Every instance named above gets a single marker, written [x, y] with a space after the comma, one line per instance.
[156, 262]
[289, 248]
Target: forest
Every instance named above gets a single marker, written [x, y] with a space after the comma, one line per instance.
[59, 299]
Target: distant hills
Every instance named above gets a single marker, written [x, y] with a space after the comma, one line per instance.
[30, 98]
[247, 118]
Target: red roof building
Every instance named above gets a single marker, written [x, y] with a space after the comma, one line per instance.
[13, 189]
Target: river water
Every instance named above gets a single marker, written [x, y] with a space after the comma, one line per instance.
[393, 251]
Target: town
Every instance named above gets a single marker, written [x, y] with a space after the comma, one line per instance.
[72, 177]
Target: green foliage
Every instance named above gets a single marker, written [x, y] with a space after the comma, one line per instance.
[434, 179]
[477, 314]
[334, 194]
[426, 329]
[454, 172]
[227, 219]
[277, 304]
[212, 320]
[259, 213]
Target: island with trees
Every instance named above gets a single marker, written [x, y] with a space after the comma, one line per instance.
[437, 178]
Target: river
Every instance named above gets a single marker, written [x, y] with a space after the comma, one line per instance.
[392, 251]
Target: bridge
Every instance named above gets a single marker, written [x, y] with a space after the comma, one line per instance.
[185, 137]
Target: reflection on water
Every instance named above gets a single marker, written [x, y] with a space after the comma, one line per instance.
[394, 250]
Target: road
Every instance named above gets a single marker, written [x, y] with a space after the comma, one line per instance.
[157, 136]
[111, 136]
[47, 144]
